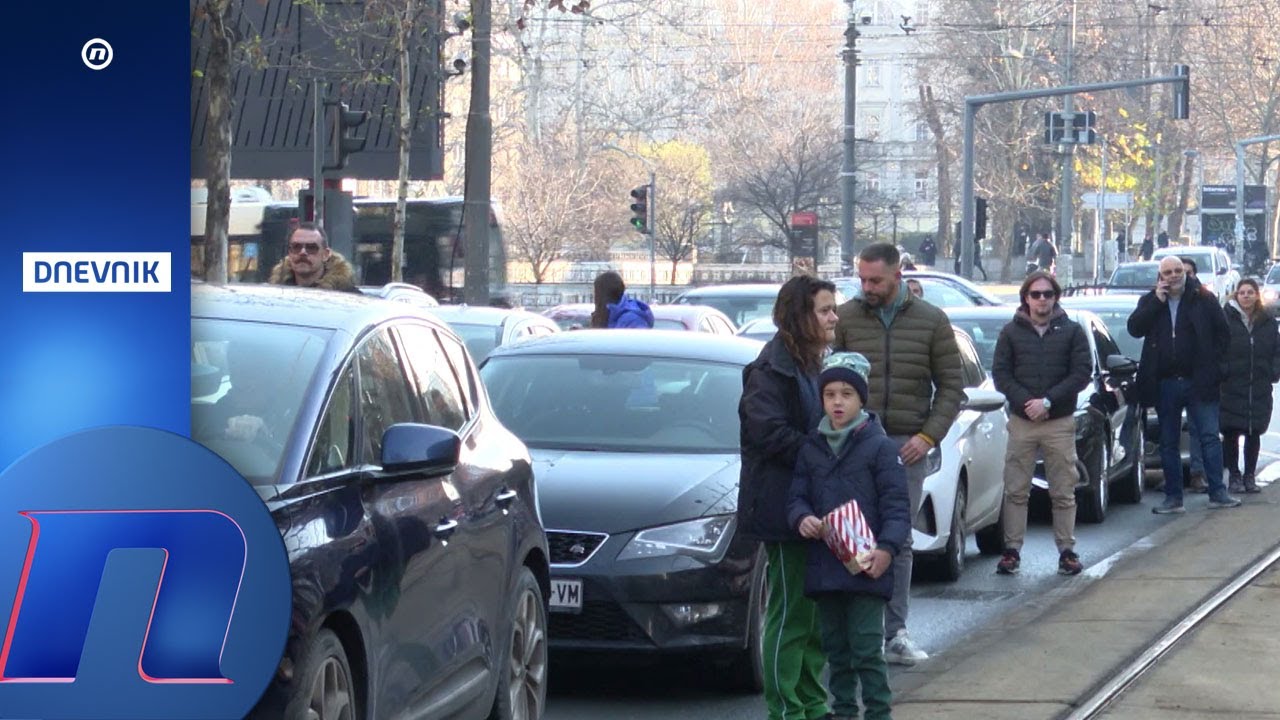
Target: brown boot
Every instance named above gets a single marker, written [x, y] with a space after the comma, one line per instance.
[1251, 484]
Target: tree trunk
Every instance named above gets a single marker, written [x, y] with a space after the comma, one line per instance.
[218, 143]
[1179, 210]
[943, 158]
[405, 82]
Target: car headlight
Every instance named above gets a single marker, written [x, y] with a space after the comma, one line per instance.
[705, 539]
[1269, 295]
[932, 461]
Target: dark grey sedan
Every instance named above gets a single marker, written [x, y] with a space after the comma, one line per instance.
[635, 441]
[419, 564]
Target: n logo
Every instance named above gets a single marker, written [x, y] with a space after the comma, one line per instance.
[141, 578]
[201, 567]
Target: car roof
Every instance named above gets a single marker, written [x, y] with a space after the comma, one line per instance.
[978, 312]
[305, 307]
[1102, 302]
[1185, 250]
[480, 314]
[649, 343]
[741, 289]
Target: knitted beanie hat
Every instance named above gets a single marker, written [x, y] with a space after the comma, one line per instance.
[850, 367]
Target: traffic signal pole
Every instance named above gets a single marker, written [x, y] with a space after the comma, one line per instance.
[317, 155]
[653, 251]
[973, 103]
[1239, 228]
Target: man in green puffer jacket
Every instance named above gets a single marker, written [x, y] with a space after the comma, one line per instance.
[916, 388]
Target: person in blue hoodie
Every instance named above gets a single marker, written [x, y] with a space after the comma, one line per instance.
[616, 309]
[849, 457]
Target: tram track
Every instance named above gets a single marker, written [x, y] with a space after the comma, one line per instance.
[1097, 704]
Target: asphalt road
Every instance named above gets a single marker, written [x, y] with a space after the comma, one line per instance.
[942, 615]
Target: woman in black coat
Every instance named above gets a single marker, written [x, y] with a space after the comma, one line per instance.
[1252, 367]
[780, 406]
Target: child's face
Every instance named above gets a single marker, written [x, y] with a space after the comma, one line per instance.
[841, 403]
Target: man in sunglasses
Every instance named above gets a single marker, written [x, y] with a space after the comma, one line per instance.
[1041, 364]
[1185, 335]
[309, 262]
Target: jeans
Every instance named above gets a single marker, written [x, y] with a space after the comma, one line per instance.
[1202, 423]
[1197, 457]
[895, 617]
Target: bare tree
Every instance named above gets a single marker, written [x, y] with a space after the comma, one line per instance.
[219, 14]
[683, 202]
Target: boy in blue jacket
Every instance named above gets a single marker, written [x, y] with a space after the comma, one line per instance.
[849, 457]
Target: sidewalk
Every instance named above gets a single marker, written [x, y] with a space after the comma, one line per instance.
[1046, 656]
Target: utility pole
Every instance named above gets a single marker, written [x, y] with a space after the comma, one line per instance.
[478, 161]
[848, 170]
[1068, 157]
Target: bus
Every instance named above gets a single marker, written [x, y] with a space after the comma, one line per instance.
[434, 255]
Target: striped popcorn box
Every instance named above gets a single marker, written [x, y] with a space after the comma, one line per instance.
[847, 534]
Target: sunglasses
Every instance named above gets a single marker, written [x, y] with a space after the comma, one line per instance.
[1041, 294]
[308, 248]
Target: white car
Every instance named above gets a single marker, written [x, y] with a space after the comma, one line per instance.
[1213, 267]
[963, 494]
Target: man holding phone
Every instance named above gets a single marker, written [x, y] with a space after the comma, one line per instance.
[1185, 335]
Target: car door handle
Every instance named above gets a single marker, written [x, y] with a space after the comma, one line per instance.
[505, 496]
[446, 528]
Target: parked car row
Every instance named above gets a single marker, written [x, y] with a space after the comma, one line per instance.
[463, 490]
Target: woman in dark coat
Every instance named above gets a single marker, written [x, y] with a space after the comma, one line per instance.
[1252, 367]
[780, 406]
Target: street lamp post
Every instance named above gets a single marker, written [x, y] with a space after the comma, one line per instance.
[894, 209]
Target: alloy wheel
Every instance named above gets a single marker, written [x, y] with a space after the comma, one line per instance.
[331, 694]
[528, 661]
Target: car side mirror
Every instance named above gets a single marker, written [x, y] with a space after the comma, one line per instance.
[1121, 365]
[982, 400]
[418, 448]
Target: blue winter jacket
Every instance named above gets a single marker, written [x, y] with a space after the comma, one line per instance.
[629, 313]
[867, 469]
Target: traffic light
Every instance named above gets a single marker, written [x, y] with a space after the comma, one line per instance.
[640, 209]
[1182, 92]
[343, 142]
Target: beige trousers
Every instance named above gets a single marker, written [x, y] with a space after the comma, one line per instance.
[1056, 442]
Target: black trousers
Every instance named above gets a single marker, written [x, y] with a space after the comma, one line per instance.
[1231, 451]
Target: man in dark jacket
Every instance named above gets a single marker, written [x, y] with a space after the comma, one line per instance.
[916, 387]
[1041, 363]
[1185, 335]
[311, 263]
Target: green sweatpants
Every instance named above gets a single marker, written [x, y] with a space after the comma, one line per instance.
[852, 634]
[793, 656]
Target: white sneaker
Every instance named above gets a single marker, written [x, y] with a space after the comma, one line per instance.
[902, 650]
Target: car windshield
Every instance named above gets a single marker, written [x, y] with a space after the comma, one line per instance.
[1273, 275]
[1117, 322]
[479, 339]
[1143, 275]
[617, 403]
[739, 308]
[248, 382]
[668, 324]
[984, 332]
[570, 320]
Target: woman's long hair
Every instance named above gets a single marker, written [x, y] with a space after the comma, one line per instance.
[798, 327]
[608, 288]
[1259, 308]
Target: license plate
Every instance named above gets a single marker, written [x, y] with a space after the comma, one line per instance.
[566, 595]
